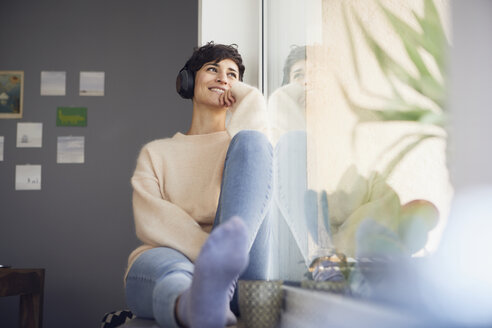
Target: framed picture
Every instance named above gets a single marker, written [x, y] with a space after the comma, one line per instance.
[11, 94]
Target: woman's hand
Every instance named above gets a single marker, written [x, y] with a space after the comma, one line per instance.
[226, 99]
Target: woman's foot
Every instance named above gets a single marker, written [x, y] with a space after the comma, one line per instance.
[222, 259]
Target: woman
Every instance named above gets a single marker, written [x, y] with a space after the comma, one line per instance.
[200, 200]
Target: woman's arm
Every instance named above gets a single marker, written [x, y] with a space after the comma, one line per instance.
[249, 110]
[159, 222]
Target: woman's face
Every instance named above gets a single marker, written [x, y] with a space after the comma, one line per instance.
[212, 80]
[298, 72]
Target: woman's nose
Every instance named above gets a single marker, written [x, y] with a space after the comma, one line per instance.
[222, 78]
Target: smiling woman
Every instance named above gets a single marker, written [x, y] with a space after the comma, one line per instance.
[213, 84]
[201, 200]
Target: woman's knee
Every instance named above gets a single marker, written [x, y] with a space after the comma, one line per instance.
[157, 262]
[251, 142]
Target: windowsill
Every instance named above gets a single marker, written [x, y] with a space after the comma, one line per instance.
[307, 308]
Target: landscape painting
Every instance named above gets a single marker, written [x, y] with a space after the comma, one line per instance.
[11, 94]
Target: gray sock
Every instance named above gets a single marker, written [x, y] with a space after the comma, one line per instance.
[222, 259]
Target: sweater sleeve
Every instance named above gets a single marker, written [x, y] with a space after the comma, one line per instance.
[159, 222]
[249, 111]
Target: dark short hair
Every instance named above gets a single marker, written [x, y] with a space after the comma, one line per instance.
[297, 53]
[212, 52]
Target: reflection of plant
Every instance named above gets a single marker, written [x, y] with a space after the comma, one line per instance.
[311, 202]
[373, 226]
[429, 38]
[369, 218]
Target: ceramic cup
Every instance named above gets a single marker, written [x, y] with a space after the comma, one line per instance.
[260, 303]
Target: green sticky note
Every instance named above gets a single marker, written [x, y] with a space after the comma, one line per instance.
[71, 116]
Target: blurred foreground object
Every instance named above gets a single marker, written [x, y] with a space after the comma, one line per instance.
[458, 287]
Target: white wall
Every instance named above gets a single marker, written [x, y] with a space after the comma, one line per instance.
[288, 23]
[234, 21]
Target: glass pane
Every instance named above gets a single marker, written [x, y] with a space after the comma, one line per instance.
[357, 101]
[288, 28]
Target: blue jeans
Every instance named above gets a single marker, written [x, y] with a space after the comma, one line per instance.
[159, 275]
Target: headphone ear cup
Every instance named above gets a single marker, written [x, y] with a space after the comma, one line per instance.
[185, 83]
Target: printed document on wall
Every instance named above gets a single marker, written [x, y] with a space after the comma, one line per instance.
[91, 84]
[53, 83]
[29, 135]
[28, 177]
[70, 150]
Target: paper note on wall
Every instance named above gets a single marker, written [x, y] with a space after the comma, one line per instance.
[91, 84]
[70, 150]
[29, 135]
[28, 177]
[1, 148]
[53, 83]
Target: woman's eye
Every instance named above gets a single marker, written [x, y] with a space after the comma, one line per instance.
[233, 75]
[212, 69]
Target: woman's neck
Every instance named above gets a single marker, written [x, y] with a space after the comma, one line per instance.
[205, 121]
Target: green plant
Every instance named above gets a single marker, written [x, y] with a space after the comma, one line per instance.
[429, 38]
[372, 221]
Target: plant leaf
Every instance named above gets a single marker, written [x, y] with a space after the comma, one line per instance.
[391, 67]
[355, 62]
[410, 38]
[435, 38]
[376, 240]
[417, 218]
[399, 141]
[325, 211]
[412, 42]
[404, 152]
[350, 37]
[406, 112]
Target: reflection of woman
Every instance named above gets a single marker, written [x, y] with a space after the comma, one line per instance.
[286, 105]
[200, 200]
[295, 66]
[286, 108]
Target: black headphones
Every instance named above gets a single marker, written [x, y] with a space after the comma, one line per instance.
[185, 83]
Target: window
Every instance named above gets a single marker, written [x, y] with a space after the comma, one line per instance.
[357, 101]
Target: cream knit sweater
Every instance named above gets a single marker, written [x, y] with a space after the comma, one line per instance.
[176, 183]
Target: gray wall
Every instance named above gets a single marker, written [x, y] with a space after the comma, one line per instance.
[80, 226]
[470, 96]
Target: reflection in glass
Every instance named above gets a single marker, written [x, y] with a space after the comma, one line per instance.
[368, 122]
[358, 120]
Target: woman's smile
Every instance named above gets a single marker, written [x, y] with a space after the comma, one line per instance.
[217, 90]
